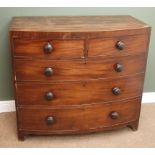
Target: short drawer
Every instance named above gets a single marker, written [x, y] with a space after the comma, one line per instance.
[79, 118]
[51, 70]
[118, 46]
[54, 49]
[79, 92]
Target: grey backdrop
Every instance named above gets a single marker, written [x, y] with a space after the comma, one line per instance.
[145, 14]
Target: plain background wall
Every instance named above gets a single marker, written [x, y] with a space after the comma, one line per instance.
[145, 14]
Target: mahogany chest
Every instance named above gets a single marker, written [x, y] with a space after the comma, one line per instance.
[77, 74]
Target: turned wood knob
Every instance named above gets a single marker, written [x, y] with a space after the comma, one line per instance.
[49, 96]
[48, 48]
[48, 71]
[50, 120]
[116, 91]
[118, 67]
[114, 115]
[120, 45]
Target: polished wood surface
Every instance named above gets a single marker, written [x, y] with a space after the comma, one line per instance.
[107, 46]
[75, 23]
[61, 49]
[75, 27]
[75, 118]
[78, 74]
[64, 70]
[79, 92]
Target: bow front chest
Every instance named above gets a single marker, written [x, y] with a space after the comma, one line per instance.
[77, 74]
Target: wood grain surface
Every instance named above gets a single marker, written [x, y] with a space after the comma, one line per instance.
[75, 23]
[107, 46]
[79, 119]
[61, 49]
[79, 92]
[65, 70]
[75, 27]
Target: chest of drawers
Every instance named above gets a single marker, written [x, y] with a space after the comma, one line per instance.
[77, 74]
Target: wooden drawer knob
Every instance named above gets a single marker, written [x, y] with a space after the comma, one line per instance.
[48, 71]
[50, 120]
[114, 115]
[118, 67]
[48, 48]
[49, 96]
[120, 45]
[116, 91]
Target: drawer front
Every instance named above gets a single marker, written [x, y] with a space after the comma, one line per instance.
[80, 92]
[36, 70]
[49, 49]
[120, 46]
[78, 118]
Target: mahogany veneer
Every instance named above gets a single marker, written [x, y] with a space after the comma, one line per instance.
[78, 74]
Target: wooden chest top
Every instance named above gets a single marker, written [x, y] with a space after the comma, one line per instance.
[75, 27]
[75, 23]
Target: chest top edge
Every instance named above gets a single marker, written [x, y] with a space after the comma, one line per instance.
[75, 23]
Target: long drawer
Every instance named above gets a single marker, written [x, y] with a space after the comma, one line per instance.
[37, 70]
[79, 92]
[78, 118]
